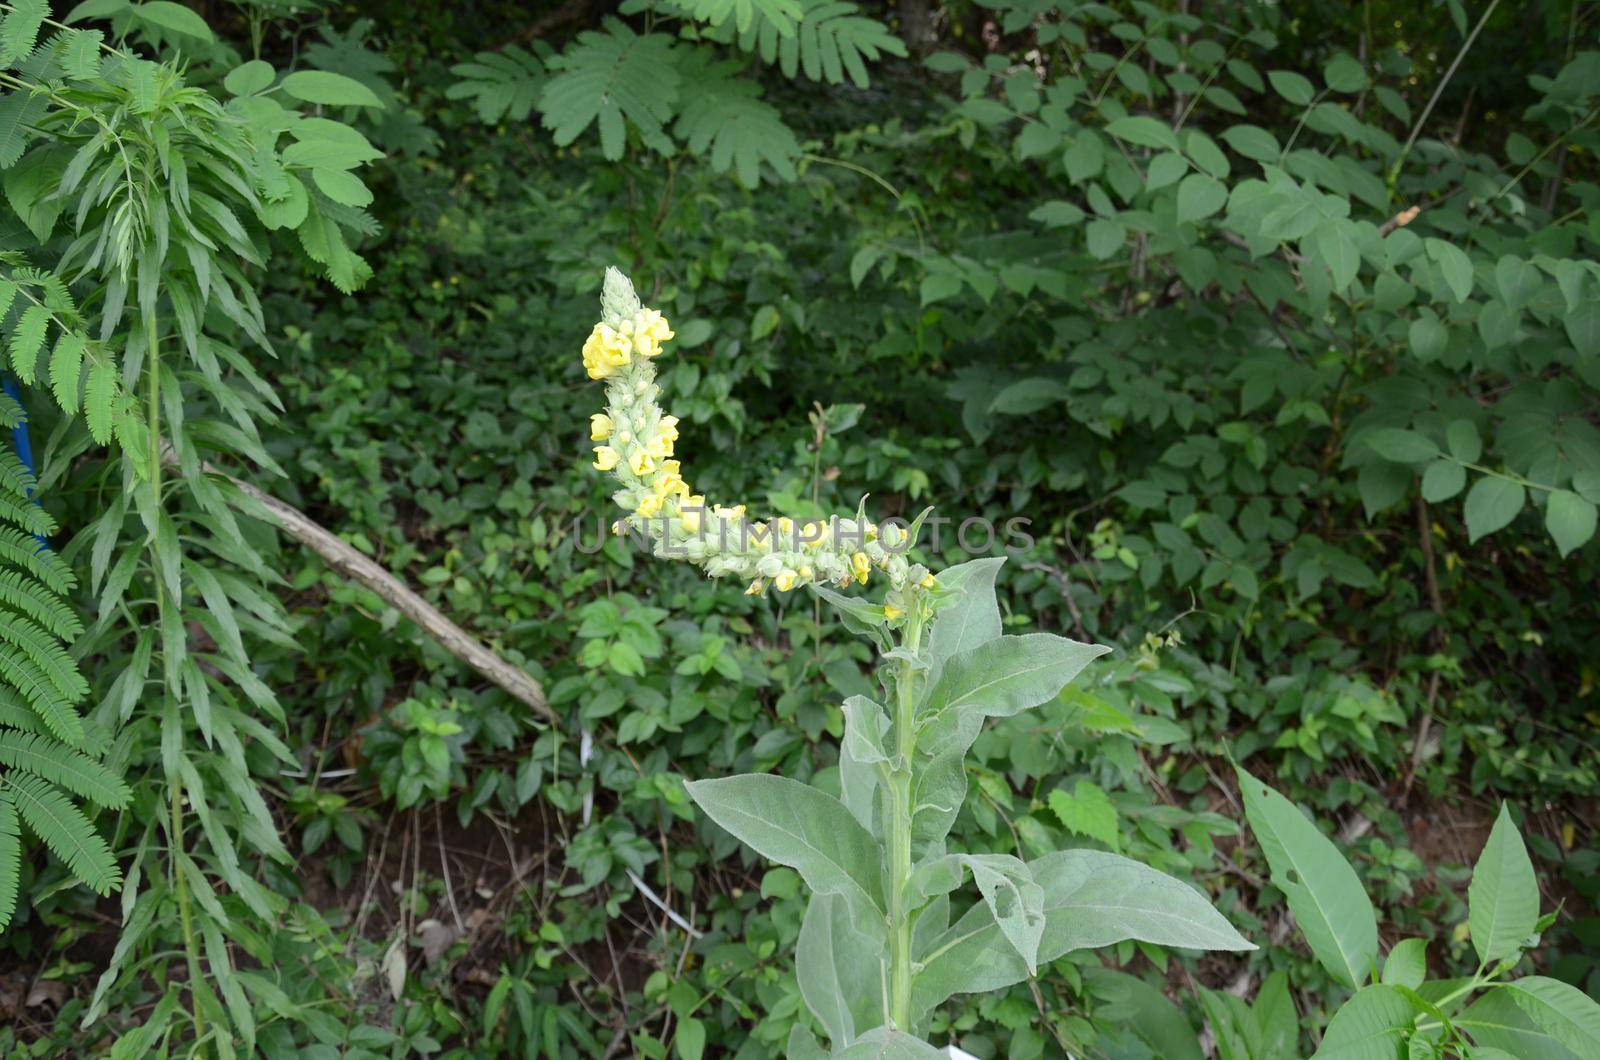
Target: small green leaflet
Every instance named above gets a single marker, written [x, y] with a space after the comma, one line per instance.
[1088, 811]
[1503, 898]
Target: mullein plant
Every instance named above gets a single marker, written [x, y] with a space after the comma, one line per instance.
[881, 946]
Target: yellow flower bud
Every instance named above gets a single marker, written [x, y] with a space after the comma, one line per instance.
[756, 588]
[785, 580]
[649, 505]
[599, 427]
[605, 458]
[928, 581]
[891, 612]
[861, 566]
[692, 518]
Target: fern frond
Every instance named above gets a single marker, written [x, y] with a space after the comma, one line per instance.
[66, 369]
[779, 14]
[615, 78]
[725, 120]
[503, 84]
[47, 653]
[64, 767]
[66, 831]
[58, 715]
[15, 476]
[21, 550]
[39, 603]
[19, 114]
[833, 40]
[26, 514]
[27, 339]
[80, 53]
[99, 400]
[20, 31]
[10, 858]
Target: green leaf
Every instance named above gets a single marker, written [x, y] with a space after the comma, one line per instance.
[249, 78]
[690, 1041]
[1144, 1010]
[1293, 87]
[1087, 811]
[1091, 899]
[62, 766]
[1253, 142]
[1454, 264]
[1503, 898]
[65, 830]
[1372, 1025]
[502, 84]
[10, 858]
[1057, 214]
[98, 395]
[796, 825]
[998, 679]
[1200, 196]
[1344, 74]
[342, 187]
[175, 17]
[1427, 337]
[837, 962]
[20, 31]
[1442, 480]
[27, 339]
[725, 121]
[1401, 446]
[1497, 1021]
[1336, 245]
[1407, 963]
[1105, 238]
[1323, 891]
[1570, 1016]
[1570, 520]
[973, 618]
[1144, 131]
[329, 89]
[1465, 444]
[613, 78]
[1492, 503]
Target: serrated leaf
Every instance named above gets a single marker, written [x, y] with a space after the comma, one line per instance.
[725, 121]
[1087, 810]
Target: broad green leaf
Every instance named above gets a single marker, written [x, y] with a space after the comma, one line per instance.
[1372, 1025]
[1503, 897]
[1427, 336]
[174, 17]
[1492, 503]
[1104, 237]
[796, 825]
[973, 618]
[1563, 1011]
[1231, 1025]
[1145, 1010]
[1323, 891]
[1200, 196]
[1442, 480]
[249, 78]
[1336, 246]
[1344, 74]
[1497, 1021]
[329, 89]
[839, 964]
[885, 1044]
[865, 725]
[1144, 131]
[1570, 520]
[1015, 901]
[1291, 86]
[1087, 810]
[1454, 264]
[689, 1043]
[1465, 444]
[1277, 1022]
[1091, 899]
[1253, 142]
[998, 679]
[1164, 169]
[1406, 964]
[1401, 446]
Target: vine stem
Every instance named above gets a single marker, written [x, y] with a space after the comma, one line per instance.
[900, 919]
[175, 782]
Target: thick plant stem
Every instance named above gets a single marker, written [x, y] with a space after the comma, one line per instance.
[900, 921]
[175, 782]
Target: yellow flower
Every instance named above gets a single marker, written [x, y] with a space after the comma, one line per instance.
[650, 331]
[605, 458]
[756, 588]
[806, 572]
[861, 566]
[659, 447]
[785, 580]
[605, 351]
[928, 581]
[692, 518]
[649, 506]
[667, 483]
[640, 463]
[668, 427]
[599, 427]
[891, 612]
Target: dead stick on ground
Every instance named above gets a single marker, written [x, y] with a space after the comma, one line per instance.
[358, 568]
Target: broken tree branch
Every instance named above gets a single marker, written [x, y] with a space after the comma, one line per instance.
[346, 561]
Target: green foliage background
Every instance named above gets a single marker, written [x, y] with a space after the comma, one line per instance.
[1323, 470]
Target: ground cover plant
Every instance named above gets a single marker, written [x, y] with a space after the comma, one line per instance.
[1255, 343]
